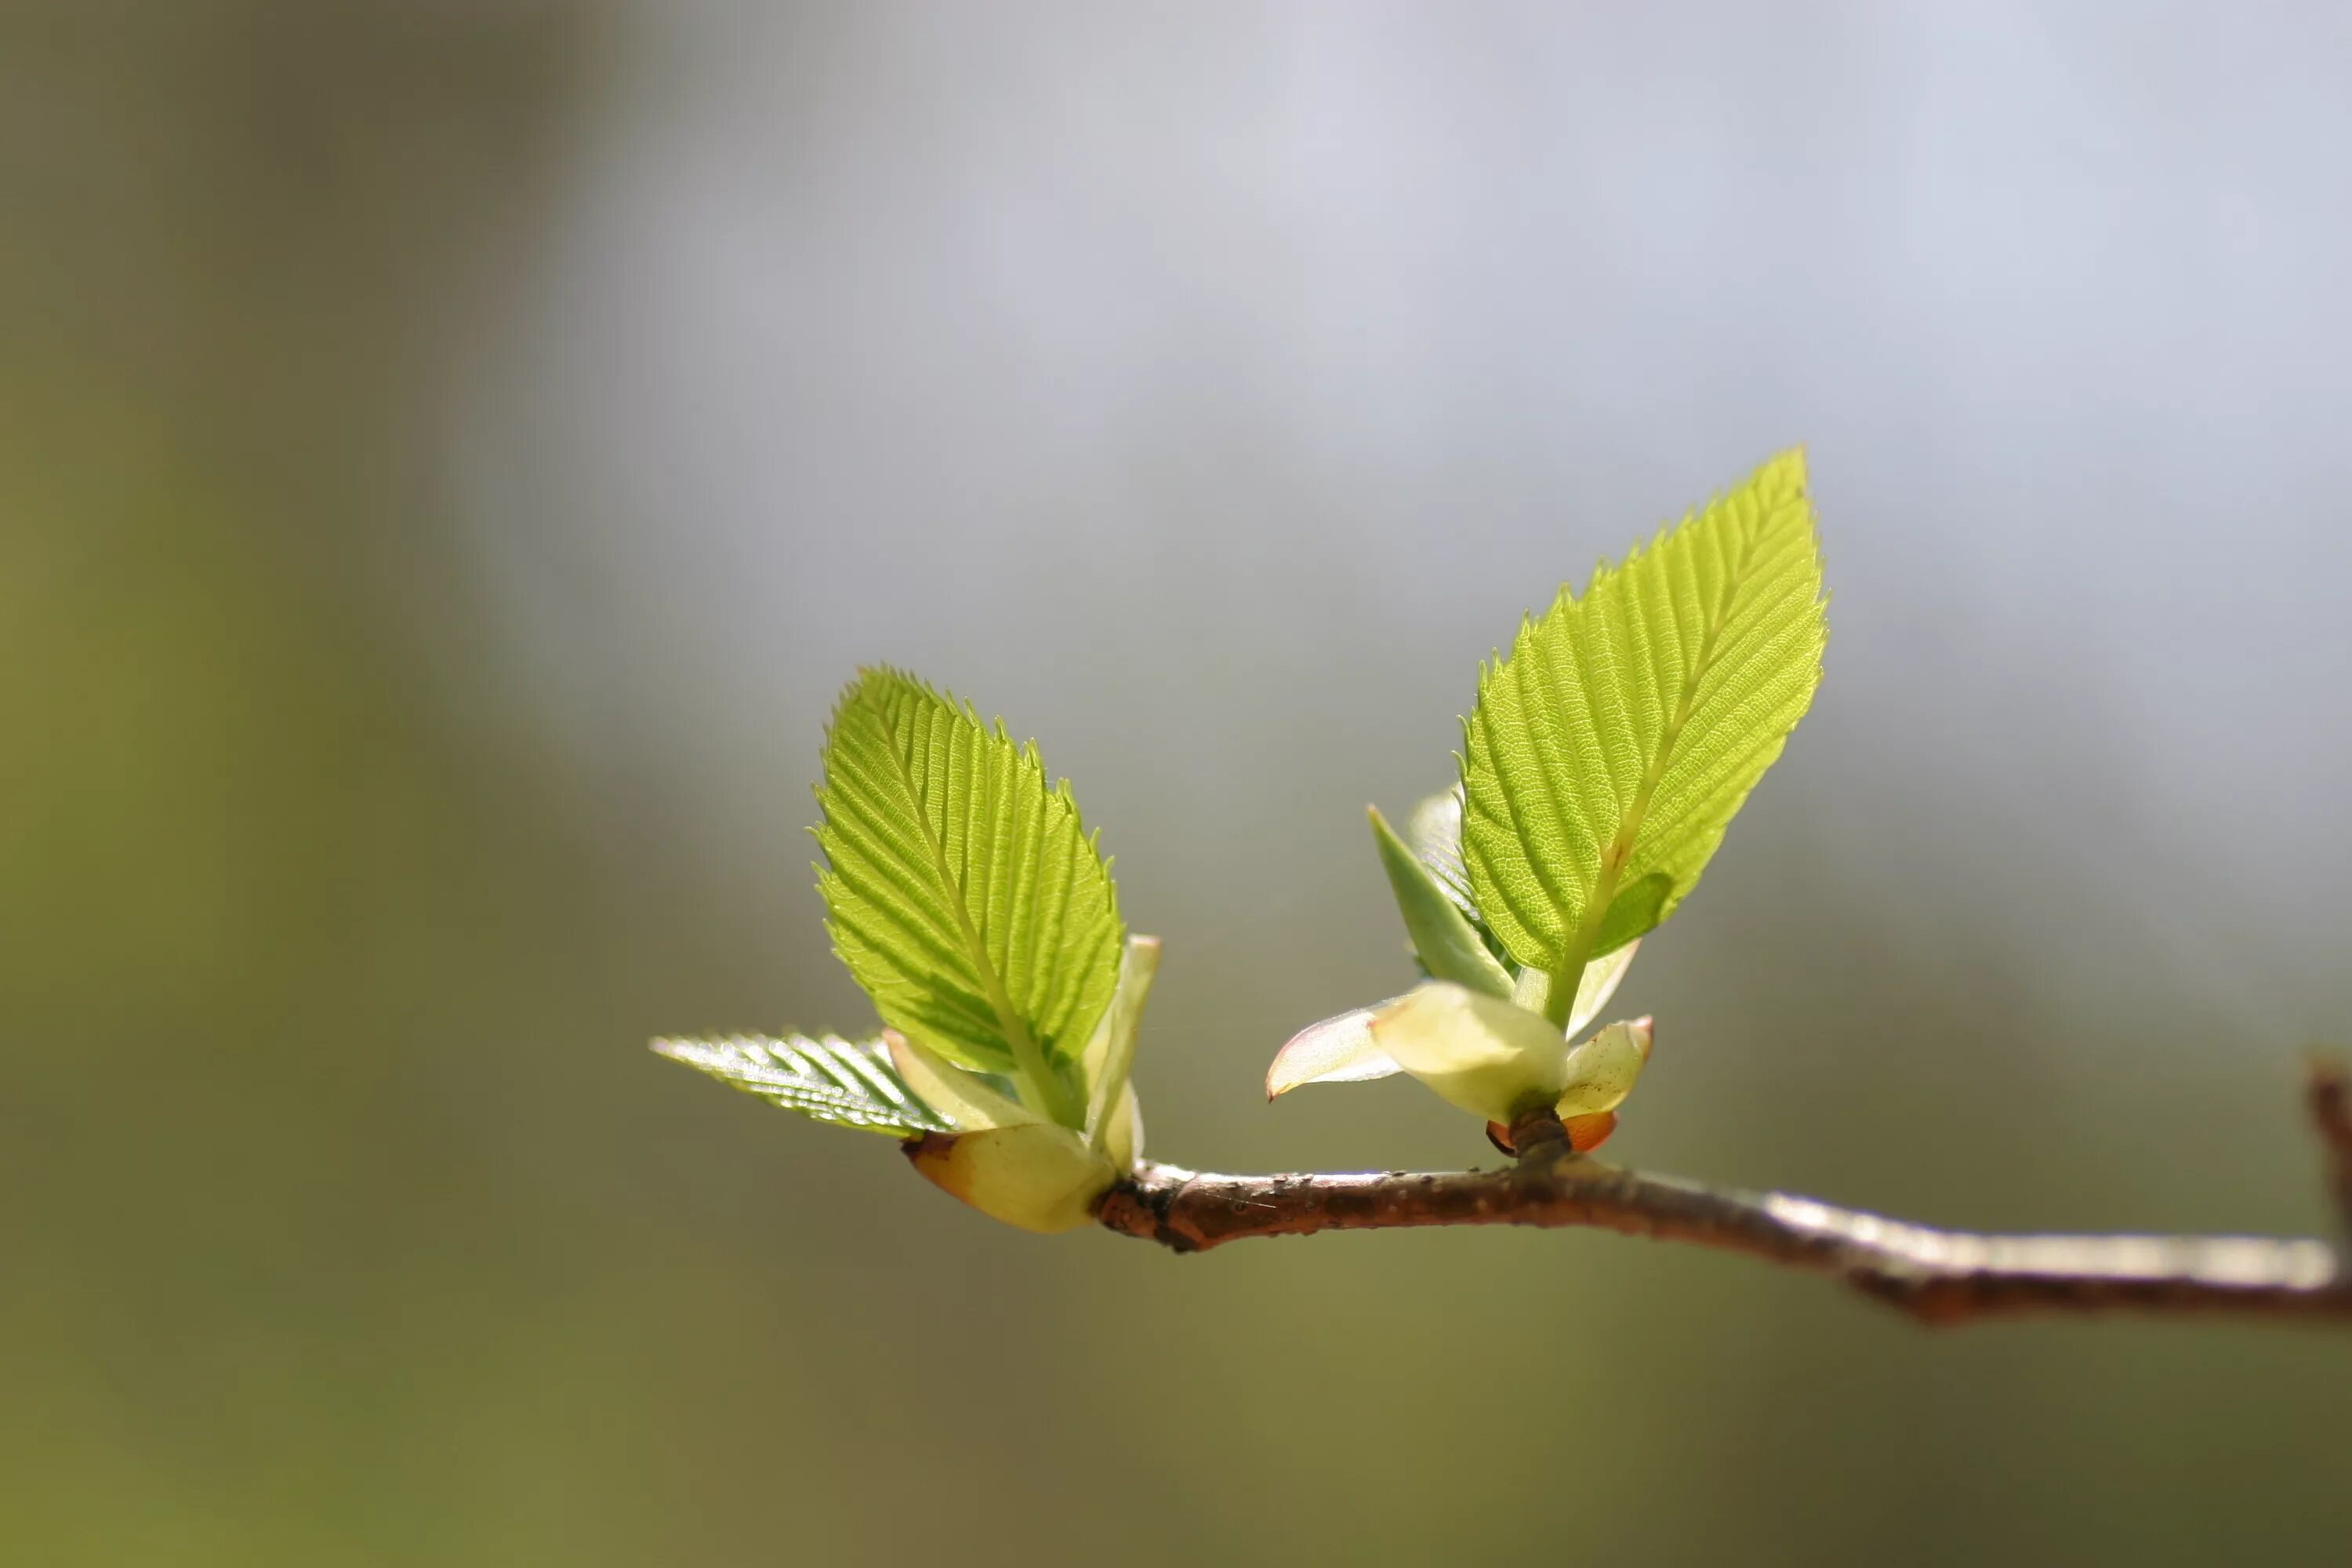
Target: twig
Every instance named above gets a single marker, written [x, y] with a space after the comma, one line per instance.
[1936, 1276]
[2329, 1090]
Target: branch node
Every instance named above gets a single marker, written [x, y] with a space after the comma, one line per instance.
[1539, 1138]
[2328, 1088]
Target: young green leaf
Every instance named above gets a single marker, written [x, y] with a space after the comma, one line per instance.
[1608, 752]
[1434, 831]
[830, 1079]
[1448, 945]
[961, 889]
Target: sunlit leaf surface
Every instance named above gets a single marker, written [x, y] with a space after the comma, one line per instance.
[830, 1078]
[1610, 749]
[962, 889]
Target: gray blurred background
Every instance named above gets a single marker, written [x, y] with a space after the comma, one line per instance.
[451, 454]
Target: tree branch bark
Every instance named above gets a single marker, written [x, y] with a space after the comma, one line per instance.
[2329, 1091]
[1936, 1276]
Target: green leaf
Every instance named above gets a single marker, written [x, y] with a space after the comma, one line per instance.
[830, 1079]
[1449, 946]
[1608, 750]
[962, 890]
[1434, 831]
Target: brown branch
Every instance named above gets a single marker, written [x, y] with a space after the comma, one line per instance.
[1936, 1276]
[2329, 1088]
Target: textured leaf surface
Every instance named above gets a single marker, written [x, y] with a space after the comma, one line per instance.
[962, 889]
[1608, 752]
[832, 1079]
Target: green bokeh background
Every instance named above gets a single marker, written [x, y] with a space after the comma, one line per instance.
[450, 454]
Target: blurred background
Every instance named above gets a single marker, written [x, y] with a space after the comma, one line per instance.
[452, 453]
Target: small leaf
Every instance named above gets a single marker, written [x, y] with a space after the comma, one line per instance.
[962, 890]
[1449, 946]
[1603, 1070]
[1434, 831]
[1121, 1138]
[830, 1079]
[1036, 1174]
[1586, 1133]
[1475, 1051]
[1336, 1050]
[1608, 752]
[962, 1100]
